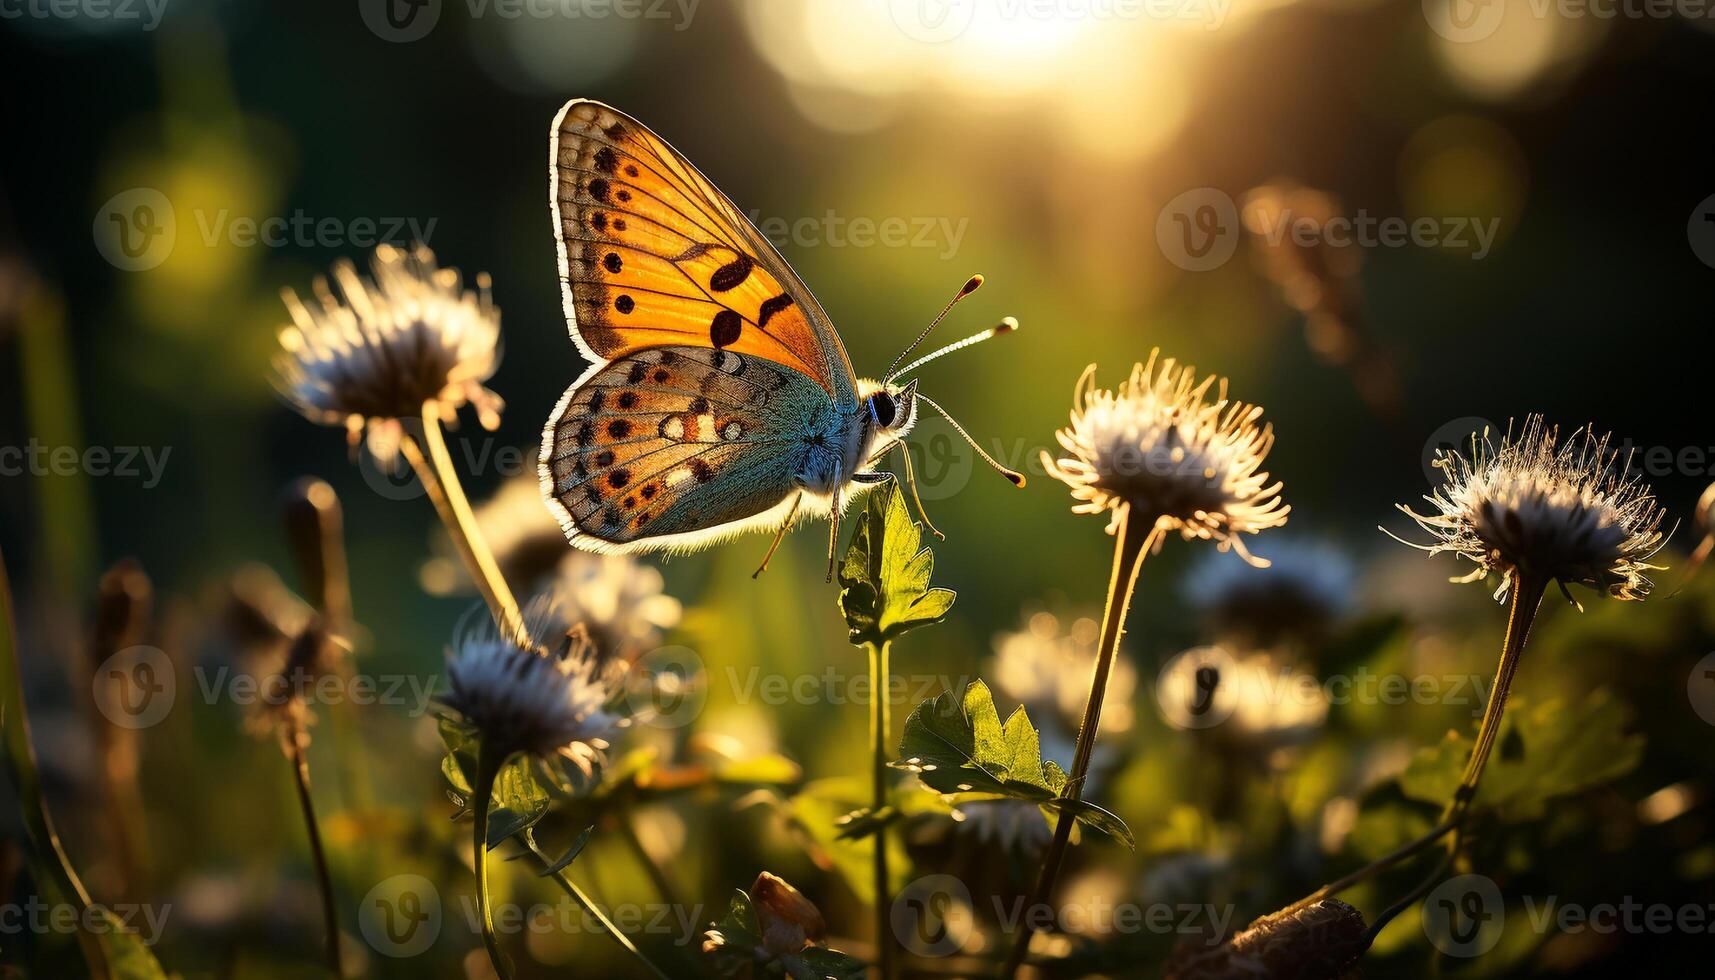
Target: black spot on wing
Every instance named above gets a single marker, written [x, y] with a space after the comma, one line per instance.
[772, 306]
[725, 329]
[732, 275]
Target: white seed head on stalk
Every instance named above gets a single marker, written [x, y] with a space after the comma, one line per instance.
[548, 695]
[1161, 446]
[383, 347]
[1570, 512]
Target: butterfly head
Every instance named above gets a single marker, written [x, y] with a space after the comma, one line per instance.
[890, 409]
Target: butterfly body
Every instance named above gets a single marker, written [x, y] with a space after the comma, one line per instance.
[720, 399]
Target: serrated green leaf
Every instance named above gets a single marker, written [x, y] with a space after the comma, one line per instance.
[957, 744]
[884, 579]
[1543, 751]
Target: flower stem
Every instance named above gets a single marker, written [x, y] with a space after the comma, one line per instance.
[487, 769]
[293, 737]
[1526, 597]
[441, 482]
[578, 895]
[879, 725]
[1521, 613]
[1136, 536]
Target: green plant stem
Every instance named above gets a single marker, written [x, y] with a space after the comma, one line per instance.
[578, 895]
[441, 482]
[487, 769]
[1526, 599]
[1135, 537]
[20, 757]
[879, 724]
[1521, 613]
[293, 739]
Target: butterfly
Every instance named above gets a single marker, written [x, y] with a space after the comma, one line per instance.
[719, 399]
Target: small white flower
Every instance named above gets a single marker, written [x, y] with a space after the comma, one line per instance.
[1047, 666]
[389, 345]
[549, 696]
[1307, 586]
[1011, 827]
[1548, 510]
[1160, 446]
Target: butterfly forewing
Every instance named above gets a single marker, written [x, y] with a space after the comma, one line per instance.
[653, 254]
[674, 441]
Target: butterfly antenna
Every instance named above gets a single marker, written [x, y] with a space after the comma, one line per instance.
[1005, 326]
[1016, 477]
[968, 288]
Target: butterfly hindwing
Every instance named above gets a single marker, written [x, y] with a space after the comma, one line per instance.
[676, 441]
[652, 254]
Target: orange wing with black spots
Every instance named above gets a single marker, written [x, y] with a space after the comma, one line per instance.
[667, 446]
[652, 254]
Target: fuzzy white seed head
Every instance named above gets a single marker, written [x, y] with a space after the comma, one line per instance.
[384, 347]
[1567, 512]
[549, 696]
[1163, 448]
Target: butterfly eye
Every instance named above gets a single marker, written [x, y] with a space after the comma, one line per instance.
[882, 409]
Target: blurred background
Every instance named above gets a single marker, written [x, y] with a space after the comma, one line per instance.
[1389, 223]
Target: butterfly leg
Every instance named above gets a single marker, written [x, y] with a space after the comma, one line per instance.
[911, 481]
[834, 523]
[779, 536]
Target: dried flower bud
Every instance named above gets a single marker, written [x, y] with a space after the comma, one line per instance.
[1319, 942]
[789, 921]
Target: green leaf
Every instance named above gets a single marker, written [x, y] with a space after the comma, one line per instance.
[906, 800]
[128, 957]
[958, 745]
[884, 580]
[520, 799]
[831, 964]
[1542, 751]
[816, 810]
[571, 854]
